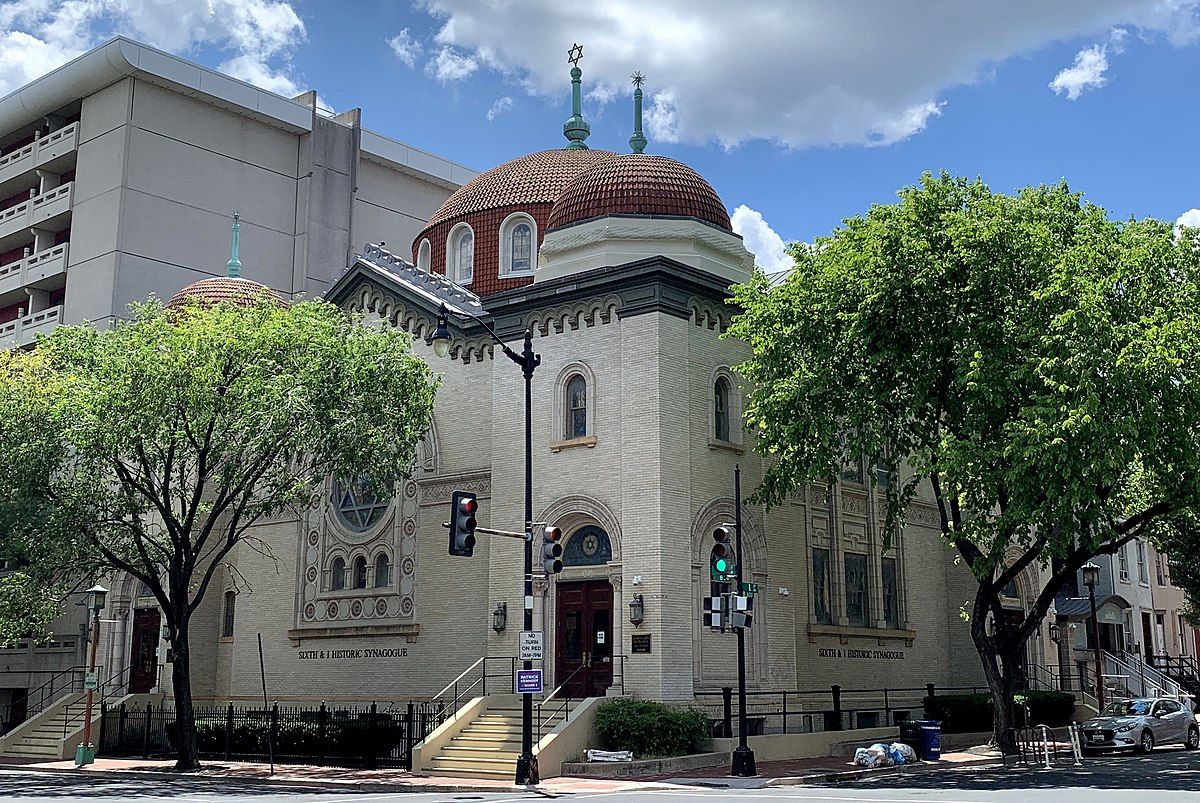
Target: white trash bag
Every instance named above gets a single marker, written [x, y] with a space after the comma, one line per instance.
[874, 756]
[609, 755]
[902, 753]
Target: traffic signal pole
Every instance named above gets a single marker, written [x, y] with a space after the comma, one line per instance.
[743, 756]
[527, 773]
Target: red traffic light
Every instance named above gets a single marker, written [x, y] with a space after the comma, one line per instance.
[552, 534]
[468, 506]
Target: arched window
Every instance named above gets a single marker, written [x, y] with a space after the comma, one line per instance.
[423, 255]
[382, 567]
[460, 254]
[337, 575]
[721, 409]
[576, 408]
[588, 546]
[518, 244]
[522, 248]
[360, 572]
[227, 623]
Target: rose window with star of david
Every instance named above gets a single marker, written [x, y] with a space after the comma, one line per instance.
[358, 504]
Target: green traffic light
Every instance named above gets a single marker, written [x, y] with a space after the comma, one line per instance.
[722, 565]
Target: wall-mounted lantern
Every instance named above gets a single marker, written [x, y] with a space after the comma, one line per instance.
[637, 610]
[500, 617]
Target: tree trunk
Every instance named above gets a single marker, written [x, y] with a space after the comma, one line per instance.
[999, 673]
[185, 715]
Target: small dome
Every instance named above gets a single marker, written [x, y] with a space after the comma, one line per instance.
[639, 184]
[241, 292]
[536, 178]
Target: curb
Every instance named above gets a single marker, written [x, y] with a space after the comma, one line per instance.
[842, 776]
[366, 786]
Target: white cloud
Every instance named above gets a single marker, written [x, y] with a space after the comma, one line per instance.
[257, 36]
[1190, 218]
[761, 240]
[406, 47]
[449, 66]
[1086, 73]
[499, 107]
[797, 73]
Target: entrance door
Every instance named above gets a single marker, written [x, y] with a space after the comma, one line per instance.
[143, 662]
[1010, 622]
[1147, 638]
[583, 638]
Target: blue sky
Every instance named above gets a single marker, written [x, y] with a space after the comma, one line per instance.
[806, 111]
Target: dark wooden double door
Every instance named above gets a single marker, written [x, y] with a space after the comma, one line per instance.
[143, 650]
[583, 643]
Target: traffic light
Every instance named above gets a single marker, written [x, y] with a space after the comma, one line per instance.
[722, 561]
[463, 507]
[552, 549]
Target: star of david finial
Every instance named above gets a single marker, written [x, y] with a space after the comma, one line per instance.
[575, 54]
[638, 79]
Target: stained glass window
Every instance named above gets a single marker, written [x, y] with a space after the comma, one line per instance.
[576, 408]
[522, 248]
[589, 546]
[360, 572]
[357, 503]
[891, 598]
[721, 409]
[857, 606]
[382, 567]
[820, 566]
[465, 257]
[337, 575]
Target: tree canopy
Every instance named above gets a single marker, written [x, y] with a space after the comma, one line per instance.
[155, 446]
[1032, 361]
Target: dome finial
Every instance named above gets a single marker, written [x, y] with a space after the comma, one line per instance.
[638, 140]
[576, 128]
[234, 266]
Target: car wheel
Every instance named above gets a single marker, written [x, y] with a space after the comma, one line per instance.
[1193, 738]
[1146, 743]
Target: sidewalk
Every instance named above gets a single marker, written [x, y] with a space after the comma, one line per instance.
[330, 777]
[826, 769]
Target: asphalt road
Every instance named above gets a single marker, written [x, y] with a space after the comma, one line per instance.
[1165, 776]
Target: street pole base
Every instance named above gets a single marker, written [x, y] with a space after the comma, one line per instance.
[525, 776]
[743, 763]
[85, 754]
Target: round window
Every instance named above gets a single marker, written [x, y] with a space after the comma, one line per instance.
[357, 502]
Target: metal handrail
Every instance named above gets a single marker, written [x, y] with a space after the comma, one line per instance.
[46, 693]
[565, 707]
[462, 675]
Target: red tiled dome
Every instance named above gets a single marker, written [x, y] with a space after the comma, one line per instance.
[242, 292]
[639, 184]
[531, 179]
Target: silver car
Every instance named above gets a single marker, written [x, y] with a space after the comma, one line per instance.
[1141, 724]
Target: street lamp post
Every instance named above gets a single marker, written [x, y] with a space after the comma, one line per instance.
[528, 361]
[86, 752]
[1091, 576]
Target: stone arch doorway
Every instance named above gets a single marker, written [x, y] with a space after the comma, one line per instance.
[581, 605]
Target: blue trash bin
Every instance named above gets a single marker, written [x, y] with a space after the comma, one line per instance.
[931, 740]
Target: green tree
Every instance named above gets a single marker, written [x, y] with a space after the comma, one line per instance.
[1030, 361]
[155, 447]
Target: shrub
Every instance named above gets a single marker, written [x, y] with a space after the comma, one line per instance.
[651, 730]
[972, 713]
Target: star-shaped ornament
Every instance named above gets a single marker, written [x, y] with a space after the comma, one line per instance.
[575, 54]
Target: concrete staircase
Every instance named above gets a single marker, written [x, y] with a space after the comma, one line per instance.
[488, 745]
[43, 735]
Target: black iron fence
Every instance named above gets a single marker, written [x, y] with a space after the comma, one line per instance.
[366, 737]
[812, 710]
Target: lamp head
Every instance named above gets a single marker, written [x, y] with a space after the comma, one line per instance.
[500, 617]
[97, 594]
[1091, 574]
[441, 335]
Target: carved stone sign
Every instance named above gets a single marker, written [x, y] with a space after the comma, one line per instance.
[860, 654]
[363, 654]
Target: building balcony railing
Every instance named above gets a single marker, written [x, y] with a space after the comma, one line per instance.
[40, 152]
[40, 210]
[24, 330]
[33, 268]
